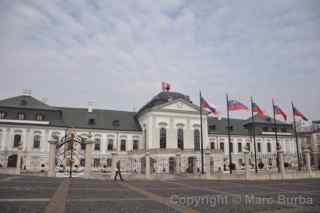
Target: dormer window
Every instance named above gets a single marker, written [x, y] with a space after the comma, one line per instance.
[23, 102]
[230, 128]
[21, 116]
[39, 117]
[3, 115]
[92, 121]
[115, 123]
[212, 127]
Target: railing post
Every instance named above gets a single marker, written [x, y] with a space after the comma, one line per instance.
[52, 158]
[308, 161]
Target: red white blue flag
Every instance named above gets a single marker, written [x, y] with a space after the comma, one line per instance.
[297, 113]
[234, 105]
[205, 104]
[279, 111]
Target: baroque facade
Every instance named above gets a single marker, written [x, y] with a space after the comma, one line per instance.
[167, 128]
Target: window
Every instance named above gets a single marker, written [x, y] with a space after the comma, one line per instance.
[265, 129]
[97, 144]
[3, 115]
[21, 116]
[96, 162]
[196, 135]
[259, 147]
[163, 138]
[239, 147]
[123, 145]
[23, 102]
[230, 128]
[91, 121]
[110, 144]
[248, 146]
[135, 145]
[109, 162]
[16, 140]
[231, 147]
[283, 129]
[269, 147]
[115, 123]
[39, 117]
[36, 142]
[212, 127]
[82, 162]
[180, 138]
[222, 146]
[212, 146]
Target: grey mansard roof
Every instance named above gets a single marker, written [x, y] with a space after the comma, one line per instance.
[25, 102]
[221, 126]
[69, 117]
[239, 126]
[103, 119]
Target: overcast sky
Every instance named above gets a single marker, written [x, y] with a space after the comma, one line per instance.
[116, 53]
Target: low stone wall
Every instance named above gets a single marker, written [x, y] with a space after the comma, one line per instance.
[9, 171]
[266, 176]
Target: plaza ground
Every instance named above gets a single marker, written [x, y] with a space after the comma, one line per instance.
[42, 194]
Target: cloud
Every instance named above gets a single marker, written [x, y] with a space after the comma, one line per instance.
[116, 54]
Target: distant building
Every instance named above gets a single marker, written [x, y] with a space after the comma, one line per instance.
[167, 127]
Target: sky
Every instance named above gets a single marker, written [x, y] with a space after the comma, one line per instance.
[117, 53]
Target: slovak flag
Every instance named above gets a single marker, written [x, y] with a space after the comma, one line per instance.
[279, 111]
[256, 108]
[234, 105]
[297, 113]
[165, 86]
[205, 104]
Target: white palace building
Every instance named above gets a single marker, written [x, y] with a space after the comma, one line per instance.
[166, 129]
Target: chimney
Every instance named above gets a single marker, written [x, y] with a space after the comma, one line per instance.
[90, 106]
[27, 92]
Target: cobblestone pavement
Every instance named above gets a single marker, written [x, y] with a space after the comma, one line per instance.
[41, 194]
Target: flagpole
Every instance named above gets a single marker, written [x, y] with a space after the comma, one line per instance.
[296, 136]
[229, 137]
[276, 134]
[254, 137]
[201, 135]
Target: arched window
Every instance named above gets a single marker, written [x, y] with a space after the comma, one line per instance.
[110, 144]
[163, 138]
[97, 144]
[135, 145]
[16, 140]
[123, 145]
[196, 134]
[180, 138]
[36, 141]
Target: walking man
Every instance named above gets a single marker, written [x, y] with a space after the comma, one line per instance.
[118, 172]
